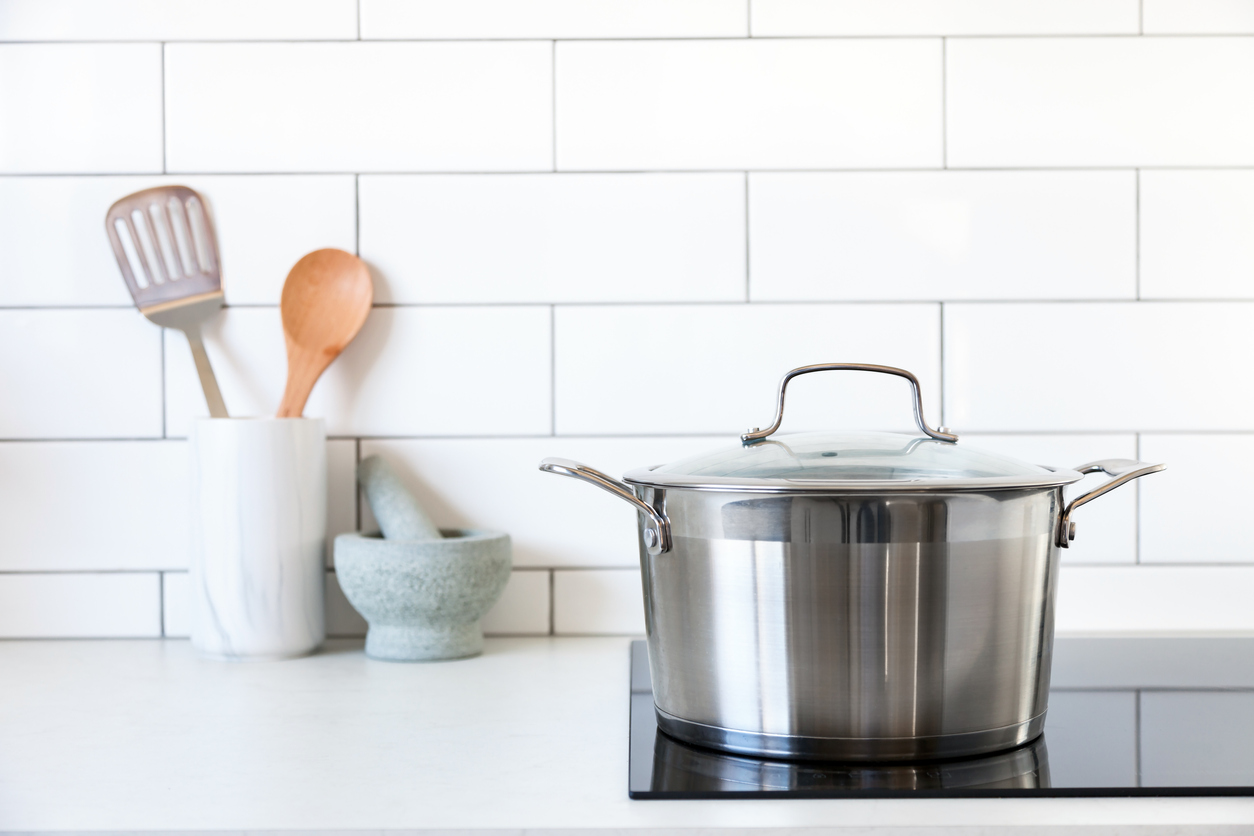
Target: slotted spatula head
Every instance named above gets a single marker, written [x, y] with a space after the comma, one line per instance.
[165, 246]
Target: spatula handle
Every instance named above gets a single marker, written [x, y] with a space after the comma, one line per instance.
[209, 383]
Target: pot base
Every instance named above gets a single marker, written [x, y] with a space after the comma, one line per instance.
[796, 747]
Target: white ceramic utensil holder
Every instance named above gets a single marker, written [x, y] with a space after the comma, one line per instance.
[259, 523]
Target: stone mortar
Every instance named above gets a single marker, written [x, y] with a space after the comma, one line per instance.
[423, 599]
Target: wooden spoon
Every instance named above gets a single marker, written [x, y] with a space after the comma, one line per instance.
[326, 299]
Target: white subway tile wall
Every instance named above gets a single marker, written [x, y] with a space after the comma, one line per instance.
[79, 373]
[55, 254]
[443, 371]
[70, 506]
[473, 19]
[1195, 234]
[1099, 366]
[555, 238]
[91, 108]
[720, 104]
[359, 107]
[1115, 102]
[179, 20]
[603, 229]
[80, 605]
[1109, 599]
[597, 602]
[943, 235]
[1198, 17]
[1194, 517]
[944, 17]
[723, 363]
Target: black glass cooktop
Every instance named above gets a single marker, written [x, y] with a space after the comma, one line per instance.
[1127, 717]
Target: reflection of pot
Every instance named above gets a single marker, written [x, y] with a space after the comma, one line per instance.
[678, 767]
[847, 596]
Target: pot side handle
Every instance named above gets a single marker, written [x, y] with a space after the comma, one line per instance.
[1124, 471]
[657, 531]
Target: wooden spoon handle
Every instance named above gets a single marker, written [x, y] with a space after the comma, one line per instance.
[303, 372]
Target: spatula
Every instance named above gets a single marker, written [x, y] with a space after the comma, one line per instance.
[326, 299]
[165, 246]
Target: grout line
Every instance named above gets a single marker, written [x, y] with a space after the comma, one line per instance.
[601, 635]
[1137, 227]
[594, 568]
[113, 638]
[944, 103]
[552, 370]
[356, 488]
[749, 18]
[357, 215]
[4, 572]
[982, 36]
[710, 303]
[104, 439]
[714, 434]
[161, 601]
[1165, 565]
[536, 172]
[552, 603]
[1126, 567]
[1138, 737]
[1140, 17]
[748, 284]
[163, 152]
[130, 307]
[1164, 689]
[553, 99]
[359, 20]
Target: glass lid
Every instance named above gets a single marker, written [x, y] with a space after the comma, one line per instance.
[856, 461]
[867, 460]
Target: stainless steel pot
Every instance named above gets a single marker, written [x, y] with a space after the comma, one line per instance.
[856, 596]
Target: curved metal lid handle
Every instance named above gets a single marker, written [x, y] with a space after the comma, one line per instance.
[941, 434]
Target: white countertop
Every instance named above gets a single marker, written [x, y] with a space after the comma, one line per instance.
[142, 735]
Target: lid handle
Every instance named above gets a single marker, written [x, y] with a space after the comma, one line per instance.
[941, 434]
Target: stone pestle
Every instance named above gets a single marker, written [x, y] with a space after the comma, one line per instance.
[399, 515]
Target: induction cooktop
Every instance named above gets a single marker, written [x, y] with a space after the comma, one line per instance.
[1143, 716]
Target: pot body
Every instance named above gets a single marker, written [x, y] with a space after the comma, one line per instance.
[876, 627]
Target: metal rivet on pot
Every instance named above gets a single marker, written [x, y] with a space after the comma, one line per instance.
[1071, 530]
[650, 537]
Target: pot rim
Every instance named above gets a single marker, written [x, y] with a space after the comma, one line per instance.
[1055, 478]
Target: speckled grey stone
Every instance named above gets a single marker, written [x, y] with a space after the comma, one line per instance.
[423, 599]
[399, 515]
